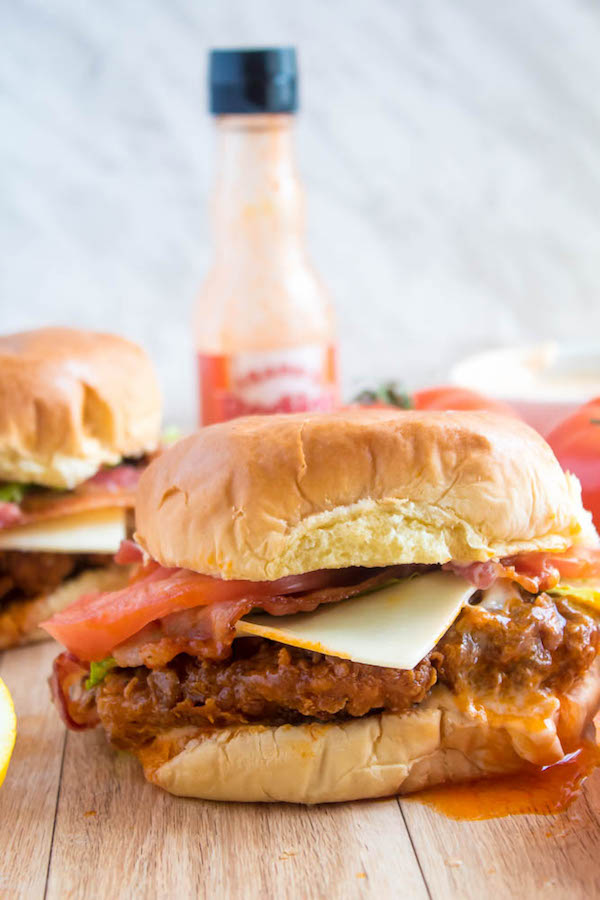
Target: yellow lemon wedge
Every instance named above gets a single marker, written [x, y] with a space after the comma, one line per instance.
[8, 729]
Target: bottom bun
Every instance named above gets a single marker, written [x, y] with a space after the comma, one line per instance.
[20, 619]
[441, 740]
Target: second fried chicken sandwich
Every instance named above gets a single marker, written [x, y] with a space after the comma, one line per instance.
[79, 416]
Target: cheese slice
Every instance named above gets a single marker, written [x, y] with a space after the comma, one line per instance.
[92, 531]
[394, 627]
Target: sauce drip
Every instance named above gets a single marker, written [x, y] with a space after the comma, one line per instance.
[546, 791]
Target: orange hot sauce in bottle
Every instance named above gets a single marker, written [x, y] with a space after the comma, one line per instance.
[264, 324]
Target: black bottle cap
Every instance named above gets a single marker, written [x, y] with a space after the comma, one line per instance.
[253, 81]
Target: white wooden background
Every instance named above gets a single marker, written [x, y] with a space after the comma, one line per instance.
[451, 153]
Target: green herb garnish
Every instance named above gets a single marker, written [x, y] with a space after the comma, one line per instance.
[13, 491]
[391, 394]
[99, 671]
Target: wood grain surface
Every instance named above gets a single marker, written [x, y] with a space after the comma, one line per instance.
[77, 820]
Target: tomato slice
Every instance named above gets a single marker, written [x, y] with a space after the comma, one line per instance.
[576, 443]
[96, 623]
[578, 563]
[542, 571]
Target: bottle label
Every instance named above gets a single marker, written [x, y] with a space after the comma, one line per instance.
[295, 379]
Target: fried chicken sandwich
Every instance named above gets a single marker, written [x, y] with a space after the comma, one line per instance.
[333, 607]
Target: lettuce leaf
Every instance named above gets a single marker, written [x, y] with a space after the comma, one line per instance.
[99, 671]
[584, 592]
[12, 491]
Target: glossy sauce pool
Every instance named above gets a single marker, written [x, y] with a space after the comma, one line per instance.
[543, 792]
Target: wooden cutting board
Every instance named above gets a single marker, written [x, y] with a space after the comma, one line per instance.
[77, 820]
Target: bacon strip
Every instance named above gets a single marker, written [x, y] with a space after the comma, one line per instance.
[117, 478]
[107, 488]
[129, 553]
[164, 612]
[208, 632]
[67, 672]
[535, 572]
[96, 624]
[10, 514]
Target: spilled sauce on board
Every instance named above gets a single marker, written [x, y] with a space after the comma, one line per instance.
[547, 791]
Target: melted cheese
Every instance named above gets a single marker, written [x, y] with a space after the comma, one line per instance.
[93, 531]
[394, 627]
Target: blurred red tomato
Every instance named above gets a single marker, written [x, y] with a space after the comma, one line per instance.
[442, 397]
[449, 397]
[576, 443]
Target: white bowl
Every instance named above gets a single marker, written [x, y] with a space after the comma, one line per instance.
[543, 382]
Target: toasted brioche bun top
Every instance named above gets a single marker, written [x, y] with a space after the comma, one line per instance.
[71, 401]
[264, 497]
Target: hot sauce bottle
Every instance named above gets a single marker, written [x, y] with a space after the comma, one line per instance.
[264, 322]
